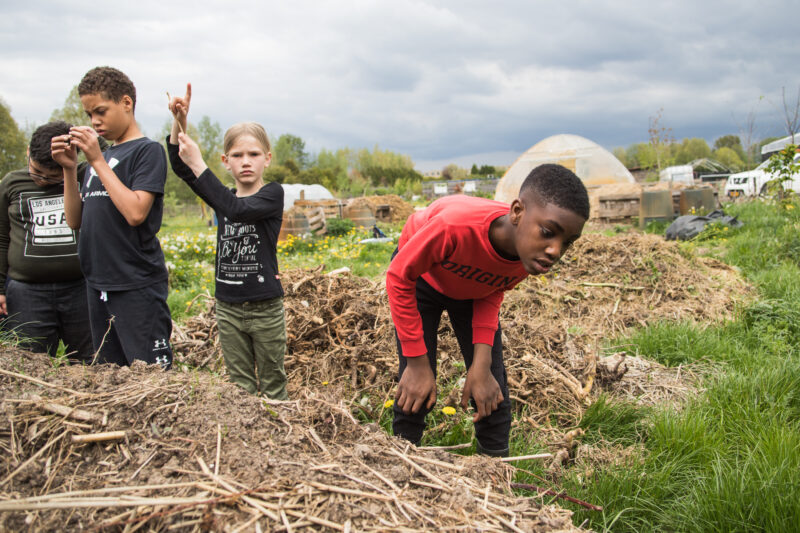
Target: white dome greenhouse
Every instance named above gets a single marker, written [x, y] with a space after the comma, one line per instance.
[592, 163]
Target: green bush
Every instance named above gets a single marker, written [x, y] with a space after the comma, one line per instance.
[339, 226]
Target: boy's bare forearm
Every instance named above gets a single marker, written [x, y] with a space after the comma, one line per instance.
[73, 208]
[133, 205]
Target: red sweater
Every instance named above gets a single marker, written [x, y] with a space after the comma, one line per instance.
[448, 245]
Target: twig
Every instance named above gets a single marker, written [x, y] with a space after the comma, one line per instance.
[43, 383]
[351, 492]
[437, 463]
[219, 447]
[453, 447]
[229, 487]
[527, 457]
[107, 490]
[613, 285]
[143, 465]
[422, 471]
[562, 495]
[169, 100]
[99, 437]
[102, 342]
[68, 412]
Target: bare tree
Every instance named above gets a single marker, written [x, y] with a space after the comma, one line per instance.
[660, 136]
[791, 112]
[747, 133]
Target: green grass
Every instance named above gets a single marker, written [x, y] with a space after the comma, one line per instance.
[729, 460]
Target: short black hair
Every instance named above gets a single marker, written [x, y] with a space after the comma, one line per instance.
[40, 142]
[560, 186]
[108, 81]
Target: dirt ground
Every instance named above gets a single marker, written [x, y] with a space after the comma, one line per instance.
[199, 454]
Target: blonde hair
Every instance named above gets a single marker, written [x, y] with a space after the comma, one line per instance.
[254, 129]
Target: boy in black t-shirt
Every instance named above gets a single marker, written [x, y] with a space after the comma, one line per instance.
[118, 211]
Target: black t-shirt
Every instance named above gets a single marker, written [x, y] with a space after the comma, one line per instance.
[36, 244]
[114, 255]
[247, 234]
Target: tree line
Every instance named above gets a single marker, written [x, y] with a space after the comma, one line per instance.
[353, 172]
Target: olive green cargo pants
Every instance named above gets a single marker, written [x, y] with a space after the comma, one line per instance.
[253, 340]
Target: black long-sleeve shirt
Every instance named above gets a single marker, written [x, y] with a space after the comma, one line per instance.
[247, 234]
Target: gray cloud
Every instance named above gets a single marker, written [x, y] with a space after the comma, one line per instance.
[436, 80]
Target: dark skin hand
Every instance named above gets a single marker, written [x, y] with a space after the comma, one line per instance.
[417, 386]
[481, 385]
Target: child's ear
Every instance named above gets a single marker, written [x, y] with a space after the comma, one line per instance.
[127, 101]
[516, 211]
[224, 159]
[269, 159]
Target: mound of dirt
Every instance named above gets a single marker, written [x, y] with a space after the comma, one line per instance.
[340, 331]
[399, 209]
[138, 448]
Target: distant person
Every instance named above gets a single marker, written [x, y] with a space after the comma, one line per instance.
[461, 254]
[41, 285]
[250, 313]
[118, 210]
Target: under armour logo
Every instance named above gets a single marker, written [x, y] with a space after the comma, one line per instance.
[163, 360]
[92, 172]
[160, 344]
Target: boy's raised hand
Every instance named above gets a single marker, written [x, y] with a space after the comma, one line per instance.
[85, 138]
[417, 387]
[481, 385]
[64, 152]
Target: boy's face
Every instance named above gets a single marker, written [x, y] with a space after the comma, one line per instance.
[542, 232]
[110, 119]
[42, 175]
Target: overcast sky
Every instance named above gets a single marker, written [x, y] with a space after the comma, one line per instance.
[442, 81]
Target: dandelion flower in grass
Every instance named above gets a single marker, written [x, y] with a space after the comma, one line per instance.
[449, 411]
[388, 403]
[324, 382]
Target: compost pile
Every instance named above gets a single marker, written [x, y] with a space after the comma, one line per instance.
[138, 448]
[340, 332]
[399, 209]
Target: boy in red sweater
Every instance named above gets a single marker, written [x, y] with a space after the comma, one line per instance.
[461, 254]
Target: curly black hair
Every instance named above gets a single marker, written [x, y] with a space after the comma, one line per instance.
[40, 142]
[560, 186]
[108, 81]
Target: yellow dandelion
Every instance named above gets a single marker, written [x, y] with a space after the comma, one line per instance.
[388, 403]
[449, 411]
[324, 382]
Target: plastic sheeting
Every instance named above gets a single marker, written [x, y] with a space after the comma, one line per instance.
[591, 162]
[291, 192]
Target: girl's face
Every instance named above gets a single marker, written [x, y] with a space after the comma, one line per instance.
[246, 160]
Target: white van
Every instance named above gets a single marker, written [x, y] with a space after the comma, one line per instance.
[754, 182]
